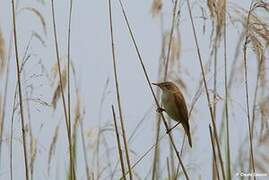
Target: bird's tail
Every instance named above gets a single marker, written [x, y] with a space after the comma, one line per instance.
[186, 127]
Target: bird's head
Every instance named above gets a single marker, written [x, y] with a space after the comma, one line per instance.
[167, 86]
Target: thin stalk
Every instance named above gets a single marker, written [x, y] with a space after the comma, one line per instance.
[72, 163]
[215, 78]
[151, 89]
[12, 117]
[229, 176]
[146, 153]
[130, 140]
[247, 92]
[84, 150]
[118, 93]
[168, 168]
[68, 65]
[156, 156]
[256, 94]
[118, 143]
[20, 90]
[11, 134]
[215, 97]
[166, 74]
[72, 169]
[214, 152]
[6, 83]
[3, 110]
[81, 128]
[170, 40]
[206, 90]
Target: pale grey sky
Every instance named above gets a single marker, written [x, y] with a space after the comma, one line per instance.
[91, 55]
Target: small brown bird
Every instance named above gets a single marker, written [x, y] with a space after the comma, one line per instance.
[175, 105]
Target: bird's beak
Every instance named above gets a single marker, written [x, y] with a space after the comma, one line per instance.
[156, 84]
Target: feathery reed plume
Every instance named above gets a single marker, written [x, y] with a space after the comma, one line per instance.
[118, 143]
[217, 10]
[151, 89]
[156, 7]
[20, 90]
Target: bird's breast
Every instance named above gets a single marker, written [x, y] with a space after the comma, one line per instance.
[169, 104]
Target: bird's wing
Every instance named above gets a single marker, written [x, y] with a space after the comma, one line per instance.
[182, 107]
[183, 112]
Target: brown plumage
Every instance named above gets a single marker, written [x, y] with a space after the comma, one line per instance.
[175, 106]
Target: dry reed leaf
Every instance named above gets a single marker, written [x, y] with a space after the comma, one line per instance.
[57, 92]
[34, 153]
[156, 7]
[259, 39]
[38, 37]
[264, 110]
[262, 4]
[77, 112]
[2, 52]
[53, 146]
[39, 15]
[53, 74]
[259, 51]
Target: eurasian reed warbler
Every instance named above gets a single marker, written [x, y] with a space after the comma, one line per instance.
[174, 105]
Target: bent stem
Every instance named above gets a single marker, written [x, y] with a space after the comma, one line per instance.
[118, 93]
[151, 89]
[206, 90]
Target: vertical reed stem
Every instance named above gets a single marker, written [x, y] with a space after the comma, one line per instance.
[151, 89]
[206, 89]
[118, 94]
[20, 91]
[118, 143]
[68, 126]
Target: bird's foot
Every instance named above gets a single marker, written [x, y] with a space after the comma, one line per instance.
[160, 110]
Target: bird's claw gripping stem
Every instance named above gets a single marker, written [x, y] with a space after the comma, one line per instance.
[160, 110]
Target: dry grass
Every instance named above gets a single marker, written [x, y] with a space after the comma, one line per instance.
[38, 14]
[52, 147]
[57, 91]
[118, 95]
[2, 52]
[95, 154]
